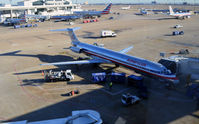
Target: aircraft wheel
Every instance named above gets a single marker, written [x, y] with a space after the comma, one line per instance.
[95, 65]
[116, 65]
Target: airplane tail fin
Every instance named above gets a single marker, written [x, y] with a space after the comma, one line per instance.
[107, 9]
[71, 33]
[25, 16]
[171, 10]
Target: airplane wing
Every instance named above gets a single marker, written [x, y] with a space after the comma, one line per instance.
[126, 50]
[78, 62]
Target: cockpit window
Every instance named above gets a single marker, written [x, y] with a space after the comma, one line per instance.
[170, 65]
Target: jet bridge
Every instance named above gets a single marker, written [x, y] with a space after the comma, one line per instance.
[78, 117]
[169, 64]
[182, 65]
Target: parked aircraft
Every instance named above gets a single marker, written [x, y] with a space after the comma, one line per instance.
[24, 19]
[67, 17]
[103, 55]
[14, 21]
[142, 12]
[94, 13]
[126, 8]
[178, 15]
[38, 17]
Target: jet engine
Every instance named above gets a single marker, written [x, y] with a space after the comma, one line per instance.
[75, 49]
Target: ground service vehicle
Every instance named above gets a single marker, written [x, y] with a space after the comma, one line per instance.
[58, 75]
[128, 99]
[178, 32]
[178, 26]
[108, 33]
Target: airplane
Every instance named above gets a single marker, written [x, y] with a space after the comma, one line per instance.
[24, 19]
[126, 8]
[178, 15]
[39, 17]
[103, 55]
[14, 21]
[94, 13]
[142, 12]
[66, 18]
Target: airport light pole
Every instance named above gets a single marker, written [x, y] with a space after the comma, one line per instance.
[194, 5]
[11, 9]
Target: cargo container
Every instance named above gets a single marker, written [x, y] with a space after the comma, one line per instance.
[99, 77]
[118, 77]
[16, 26]
[134, 80]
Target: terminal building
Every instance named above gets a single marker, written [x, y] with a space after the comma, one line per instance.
[43, 2]
[38, 7]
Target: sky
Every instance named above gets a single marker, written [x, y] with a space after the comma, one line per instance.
[118, 1]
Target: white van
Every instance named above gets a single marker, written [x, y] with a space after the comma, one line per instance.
[108, 33]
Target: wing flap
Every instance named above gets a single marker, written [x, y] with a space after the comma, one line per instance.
[76, 62]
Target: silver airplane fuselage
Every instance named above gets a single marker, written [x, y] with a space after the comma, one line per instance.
[138, 64]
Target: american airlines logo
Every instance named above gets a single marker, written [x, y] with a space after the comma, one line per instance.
[139, 63]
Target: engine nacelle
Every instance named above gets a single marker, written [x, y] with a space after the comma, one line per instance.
[75, 49]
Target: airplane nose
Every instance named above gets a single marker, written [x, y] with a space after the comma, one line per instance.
[176, 81]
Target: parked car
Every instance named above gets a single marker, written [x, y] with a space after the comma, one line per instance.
[128, 99]
[111, 18]
[178, 32]
[178, 26]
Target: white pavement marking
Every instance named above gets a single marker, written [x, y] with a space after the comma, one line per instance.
[56, 89]
[40, 87]
[113, 94]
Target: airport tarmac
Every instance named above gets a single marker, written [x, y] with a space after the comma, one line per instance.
[25, 96]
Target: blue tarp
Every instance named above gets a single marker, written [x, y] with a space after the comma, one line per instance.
[99, 77]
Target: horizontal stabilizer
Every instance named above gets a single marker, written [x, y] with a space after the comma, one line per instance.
[70, 32]
[67, 29]
[126, 49]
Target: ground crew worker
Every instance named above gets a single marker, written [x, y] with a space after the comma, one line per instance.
[73, 93]
[188, 80]
[110, 85]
